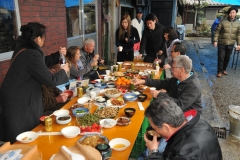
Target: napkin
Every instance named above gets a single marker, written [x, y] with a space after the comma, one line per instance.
[140, 106]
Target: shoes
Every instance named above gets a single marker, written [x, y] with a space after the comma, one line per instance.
[219, 75]
[225, 73]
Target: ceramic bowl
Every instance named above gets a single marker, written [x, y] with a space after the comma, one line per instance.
[79, 112]
[61, 112]
[27, 137]
[119, 144]
[111, 85]
[101, 85]
[129, 112]
[149, 134]
[112, 95]
[63, 119]
[129, 97]
[142, 97]
[108, 123]
[123, 121]
[70, 131]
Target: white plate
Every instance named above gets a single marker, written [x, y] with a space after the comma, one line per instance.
[109, 104]
[61, 112]
[83, 100]
[117, 141]
[108, 123]
[27, 137]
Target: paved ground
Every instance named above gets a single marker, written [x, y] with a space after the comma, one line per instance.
[218, 93]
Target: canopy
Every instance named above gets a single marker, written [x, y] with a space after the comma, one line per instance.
[231, 2]
[7, 4]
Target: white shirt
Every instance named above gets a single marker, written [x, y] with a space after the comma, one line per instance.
[138, 26]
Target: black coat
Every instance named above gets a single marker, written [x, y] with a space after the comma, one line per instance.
[187, 94]
[195, 140]
[21, 103]
[152, 41]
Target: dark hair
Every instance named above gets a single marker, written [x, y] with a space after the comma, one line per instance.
[179, 47]
[71, 52]
[172, 33]
[232, 8]
[32, 30]
[151, 17]
[165, 110]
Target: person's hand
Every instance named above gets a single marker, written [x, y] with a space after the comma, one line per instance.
[215, 44]
[238, 47]
[166, 66]
[65, 67]
[155, 93]
[94, 63]
[160, 52]
[126, 39]
[151, 145]
[96, 57]
[101, 61]
[137, 81]
[158, 60]
[63, 51]
[61, 98]
[139, 56]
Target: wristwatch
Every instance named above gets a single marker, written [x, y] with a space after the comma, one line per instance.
[152, 151]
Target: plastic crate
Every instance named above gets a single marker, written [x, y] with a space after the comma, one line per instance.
[139, 145]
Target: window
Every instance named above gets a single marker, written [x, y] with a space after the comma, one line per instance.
[89, 16]
[8, 26]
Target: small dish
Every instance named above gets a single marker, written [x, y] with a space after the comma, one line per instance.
[101, 85]
[108, 123]
[111, 104]
[129, 112]
[61, 112]
[83, 100]
[111, 85]
[142, 97]
[70, 131]
[123, 121]
[119, 144]
[79, 112]
[27, 137]
[112, 93]
[76, 105]
[150, 132]
[129, 97]
[63, 119]
[101, 99]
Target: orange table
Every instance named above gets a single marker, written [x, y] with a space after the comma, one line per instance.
[50, 145]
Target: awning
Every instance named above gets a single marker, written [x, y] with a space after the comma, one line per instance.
[211, 2]
[231, 2]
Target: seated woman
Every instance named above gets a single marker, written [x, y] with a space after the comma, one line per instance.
[76, 68]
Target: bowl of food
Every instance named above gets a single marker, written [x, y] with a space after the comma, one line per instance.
[129, 112]
[129, 97]
[150, 132]
[76, 105]
[63, 119]
[79, 112]
[101, 85]
[108, 123]
[101, 99]
[27, 137]
[119, 144]
[93, 140]
[69, 92]
[116, 102]
[142, 97]
[112, 93]
[90, 89]
[123, 121]
[110, 85]
[61, 112]
[70, 131]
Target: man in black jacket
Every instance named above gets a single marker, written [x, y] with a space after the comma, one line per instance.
[188, 136]
[184, 86]
[153, 41]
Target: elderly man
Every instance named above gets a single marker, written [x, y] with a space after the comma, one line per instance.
[88, 58]
[188, 136]
[184, 86]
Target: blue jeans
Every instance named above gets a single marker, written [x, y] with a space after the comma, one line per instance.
[161, 148]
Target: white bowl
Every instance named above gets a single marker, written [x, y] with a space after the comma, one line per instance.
[70, 131]
[152, 88]
[61, 112]
[112, 95]
[63, 121]
[119, 141]
[119, 62]
[83, 100]
[27, 137]
[108, 123]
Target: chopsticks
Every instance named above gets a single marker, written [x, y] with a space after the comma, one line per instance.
[98, 75]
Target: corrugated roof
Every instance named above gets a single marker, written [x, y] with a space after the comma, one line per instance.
[90, 3]
[210, 2]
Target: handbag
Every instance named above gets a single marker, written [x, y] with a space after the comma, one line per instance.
[16, 56]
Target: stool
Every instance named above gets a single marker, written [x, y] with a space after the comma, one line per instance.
[236, 52]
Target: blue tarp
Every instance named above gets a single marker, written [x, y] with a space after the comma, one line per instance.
[7, 4]
[71, 3]
[231, 2]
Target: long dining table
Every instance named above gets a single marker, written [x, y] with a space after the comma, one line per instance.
[50, 144]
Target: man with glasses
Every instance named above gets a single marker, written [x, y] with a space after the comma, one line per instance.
[184, 87]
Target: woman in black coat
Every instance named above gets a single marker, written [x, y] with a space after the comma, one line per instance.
[21, 103]
[126, 36]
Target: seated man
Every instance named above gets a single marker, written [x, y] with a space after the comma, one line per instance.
[188, 136]
[184, 86]
[53, 99]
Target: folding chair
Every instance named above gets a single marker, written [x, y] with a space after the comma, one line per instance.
[236, 52]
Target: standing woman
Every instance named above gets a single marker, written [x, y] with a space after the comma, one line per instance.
[21, 103]
[126, 36]
[171, 38]
[227, 33]
[77, 69]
